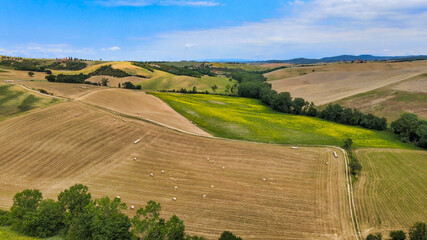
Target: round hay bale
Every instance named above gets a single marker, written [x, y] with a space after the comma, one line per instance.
[212, 186]
[327, 163]
[134, 158]
[204, 196]
[264, 179]
[132, 207]
[223, 168]
[176, 187]
[163, 171]
[151, 175]
[174, 198]
[118, 197]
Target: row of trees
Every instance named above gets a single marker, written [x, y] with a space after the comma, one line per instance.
[68, 65]
[411, 129]
[252, 86]
[75, 215]
[417, 232]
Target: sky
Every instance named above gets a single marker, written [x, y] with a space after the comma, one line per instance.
[154, 30]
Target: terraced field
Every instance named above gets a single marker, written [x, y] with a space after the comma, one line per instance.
[249, 119]
[391, 193]
[302, 197]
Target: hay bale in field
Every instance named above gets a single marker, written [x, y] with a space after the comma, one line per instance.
[208, 158]
[264, 179]
[223, 168]
[151, 175]
[174, 198]
[118, 197]
[137, 141]
[134, 158]
[212, 186]
[114, 120]
[327, 163]
[294, 147]
[335, 154]
[163, 171]
[132, 207]
[124, 120]
[204, 196]
[176, 187]
[75, 115]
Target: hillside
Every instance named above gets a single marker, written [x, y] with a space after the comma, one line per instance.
[54, 148]
[392, 100]
[249, 119]
[332, 82]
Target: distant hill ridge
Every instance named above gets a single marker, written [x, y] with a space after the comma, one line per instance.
[365, 57]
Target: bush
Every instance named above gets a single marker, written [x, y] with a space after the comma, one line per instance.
[376, 236]
[129, 85]
[5, 218]
[398, 235]
[109, 71]
[229, 236]
[418, 231]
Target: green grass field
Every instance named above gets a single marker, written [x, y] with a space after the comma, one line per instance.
[15, 100]
[166, 81]
[391, 193]
[249, 119]
[7, 234]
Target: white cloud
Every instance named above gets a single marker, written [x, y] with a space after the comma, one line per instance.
[143, 3]
[314, 29]
[111, 49]
[47, 50]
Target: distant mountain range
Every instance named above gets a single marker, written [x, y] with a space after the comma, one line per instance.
[330, 59]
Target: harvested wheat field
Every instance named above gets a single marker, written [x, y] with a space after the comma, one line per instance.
[302, 197]
[391, 193]
[66, 90]
[325, 87]
[11, 74]
[114, 81]
[140, 104]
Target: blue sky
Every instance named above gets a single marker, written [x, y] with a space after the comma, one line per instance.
[211, 29]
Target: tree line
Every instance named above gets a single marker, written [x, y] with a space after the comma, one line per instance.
[81, 78]
[254, 85]
[75, 215]
[418, 231]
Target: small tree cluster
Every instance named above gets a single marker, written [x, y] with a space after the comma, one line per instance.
[76, 216]
[418, 231]
[411, 129]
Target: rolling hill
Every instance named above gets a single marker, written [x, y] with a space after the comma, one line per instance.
[56, 147]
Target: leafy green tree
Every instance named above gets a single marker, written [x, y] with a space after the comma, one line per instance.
[299, 105]
[175, 229]
[227, 88]
[104, 81]
[24, 202]
[146, 221]
[347, 144]
[406, 127]
[398, 235]
[47, 221]
[418, 231]
[226, 235]
[266, 95]
[30, 74]
[5, 218]
[214, 88]
[75, 199]
[282, 102]
[422, 134]
[50, 78]
[376, 236]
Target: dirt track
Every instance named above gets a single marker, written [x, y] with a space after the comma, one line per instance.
[303, 198]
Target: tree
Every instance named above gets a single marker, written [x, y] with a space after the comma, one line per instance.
[226, 235]
[398, 235]
[299, 106]
[214, 88]
[282, 102]
[175, 229]
[376, 236]
[406, 127]
[25, 201]
[418, 231]
[104, 81]
[47, 221]
[227, 88]
[75, 199]
[194, 89]
[50, 78]
[119, 85]
[347, 144]
[422, 134]
[30, 74]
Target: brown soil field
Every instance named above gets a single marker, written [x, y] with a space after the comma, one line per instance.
[392, 100]
[66, 90]
[140, 104]
[326, 87]
[11, 74]
[302, 197]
